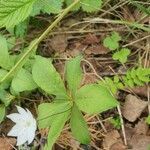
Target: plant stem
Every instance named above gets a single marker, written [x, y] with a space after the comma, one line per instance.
[21, 62]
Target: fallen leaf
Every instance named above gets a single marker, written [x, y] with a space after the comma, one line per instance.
[140, 142]
[59, 43]
[133, 107]
[118, 146]
[89, 78]
[111, 138]
[90, 39]
[141, 90]
[141, 128]
[7, 143]
[96, 50]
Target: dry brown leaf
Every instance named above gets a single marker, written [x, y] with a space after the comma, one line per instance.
[89, 78]
[141, 90]
[141, 128]
[118, 146]
[140, 142]
[90, 39]
[133, 107]
[7, 143]
[59, 43]
[96, 50]
[111, 138]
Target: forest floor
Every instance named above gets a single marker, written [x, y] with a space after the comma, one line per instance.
[82, 33]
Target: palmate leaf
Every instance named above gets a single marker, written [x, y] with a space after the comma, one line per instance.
[56, 128]
[73, 73]
[47, 112]
[47, 78]
[94, 98]
[12, 12]
[79, 127]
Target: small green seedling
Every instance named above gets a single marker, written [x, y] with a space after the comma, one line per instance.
[121, 55]
[70, 101]
[112, 42]
[116, 122]
[148, 120]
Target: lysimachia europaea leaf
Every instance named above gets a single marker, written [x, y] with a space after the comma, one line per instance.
[94, 98]
[47, 112]
[56, 128]
[47, 78]
[73, 74]
[79, 127]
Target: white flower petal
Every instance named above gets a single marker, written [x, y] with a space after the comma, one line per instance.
[29, 113]
[15, 117]
[31, 135]
[15, 131]
[22, 111]
[22, 138]
[25, 127]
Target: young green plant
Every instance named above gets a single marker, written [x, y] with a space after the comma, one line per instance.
[70, 101]
[112, 42]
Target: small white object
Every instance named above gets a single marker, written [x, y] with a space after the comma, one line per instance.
[25, 126]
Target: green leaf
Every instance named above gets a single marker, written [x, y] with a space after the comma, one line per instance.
[4, 85]
[12, 12]
[91, 5]
[47, 112]
[112, 42]
[23, 81]
[2, 112]
[4, 55]
[56, 128]
[122, 55]
[52, 6]
[79, 127]
[94, 98]
[86, 5]
[74, 73]
[47, 6]
[75, 8]
[11, 42]
[47, 78]
[21, 29]
[147, 120]
[6, 97]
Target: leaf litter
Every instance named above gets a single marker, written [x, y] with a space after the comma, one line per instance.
[64, 46]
